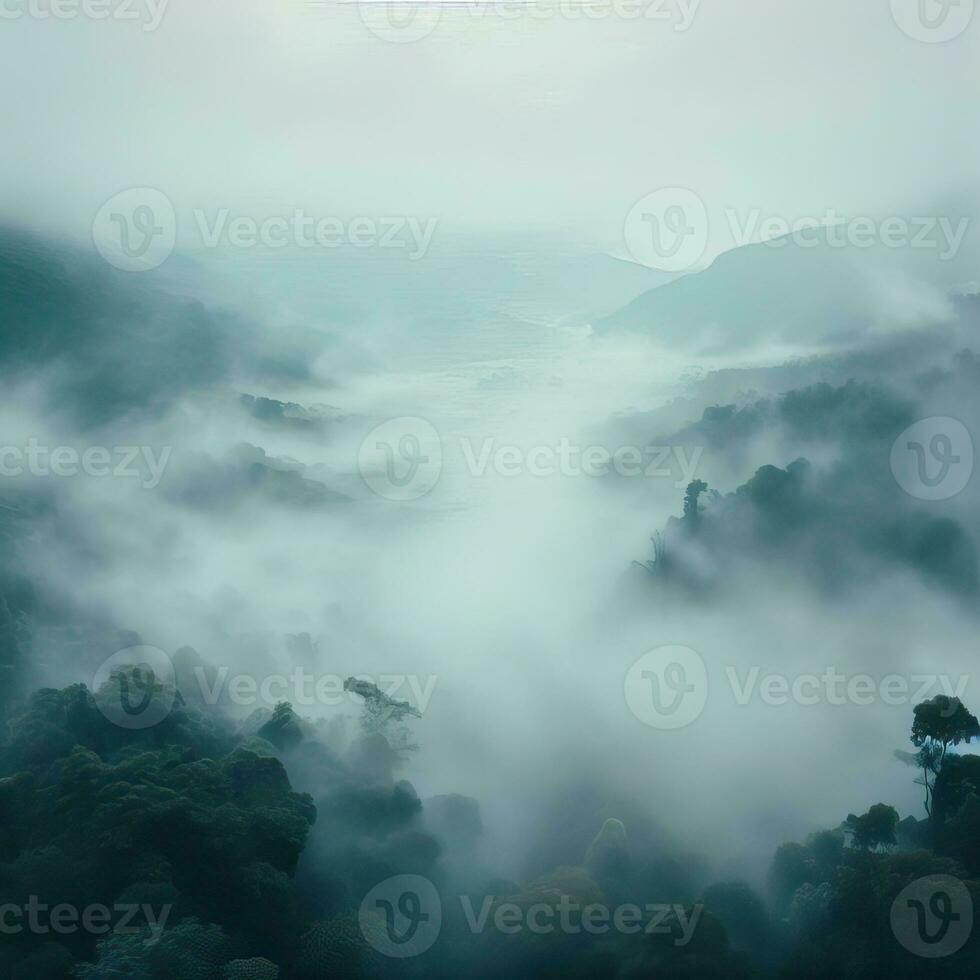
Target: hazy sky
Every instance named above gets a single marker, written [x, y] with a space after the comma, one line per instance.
[509, 119]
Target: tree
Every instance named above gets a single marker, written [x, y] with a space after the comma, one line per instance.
[384, 715]
[928, 760]
[875, 830]
[692, 512]
[938, 723]
[945, 721]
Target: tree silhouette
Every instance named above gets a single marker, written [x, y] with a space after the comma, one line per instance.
[384, 715]
[692, 513]
[874, 830]
[938, 723]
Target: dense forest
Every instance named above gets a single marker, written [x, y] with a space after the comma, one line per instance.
[222, 850]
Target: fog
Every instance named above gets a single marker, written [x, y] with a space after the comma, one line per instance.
[492, 120]
[438, 467]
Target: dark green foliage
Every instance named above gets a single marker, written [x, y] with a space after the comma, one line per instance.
[959, 836]
[843, 927]
[206, 823]
[793, 866]
[875, 830]
[855, 412]
[18, 599]
[827, 848]
[956, 810]
[94, 814]
[189, 950]
[822, 525]
[283, 730]
[798, 865]
[131, 347]
[337, 949]
[49, 962]
[939, 723]
[828, 523]
[708, 955]
[254, 969]
[56, 721]
[945, 721]
[837, 901]
[692, 511]
[740, 910]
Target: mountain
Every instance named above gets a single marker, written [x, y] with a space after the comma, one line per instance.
[783, 293]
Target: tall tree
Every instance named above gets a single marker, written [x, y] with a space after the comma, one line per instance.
[939, 723]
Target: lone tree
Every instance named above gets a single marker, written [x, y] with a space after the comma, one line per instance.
[875, 830]
[692, 508]
[383, 715]
[939, 723]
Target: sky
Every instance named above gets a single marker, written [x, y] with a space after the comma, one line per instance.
[503, 117]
